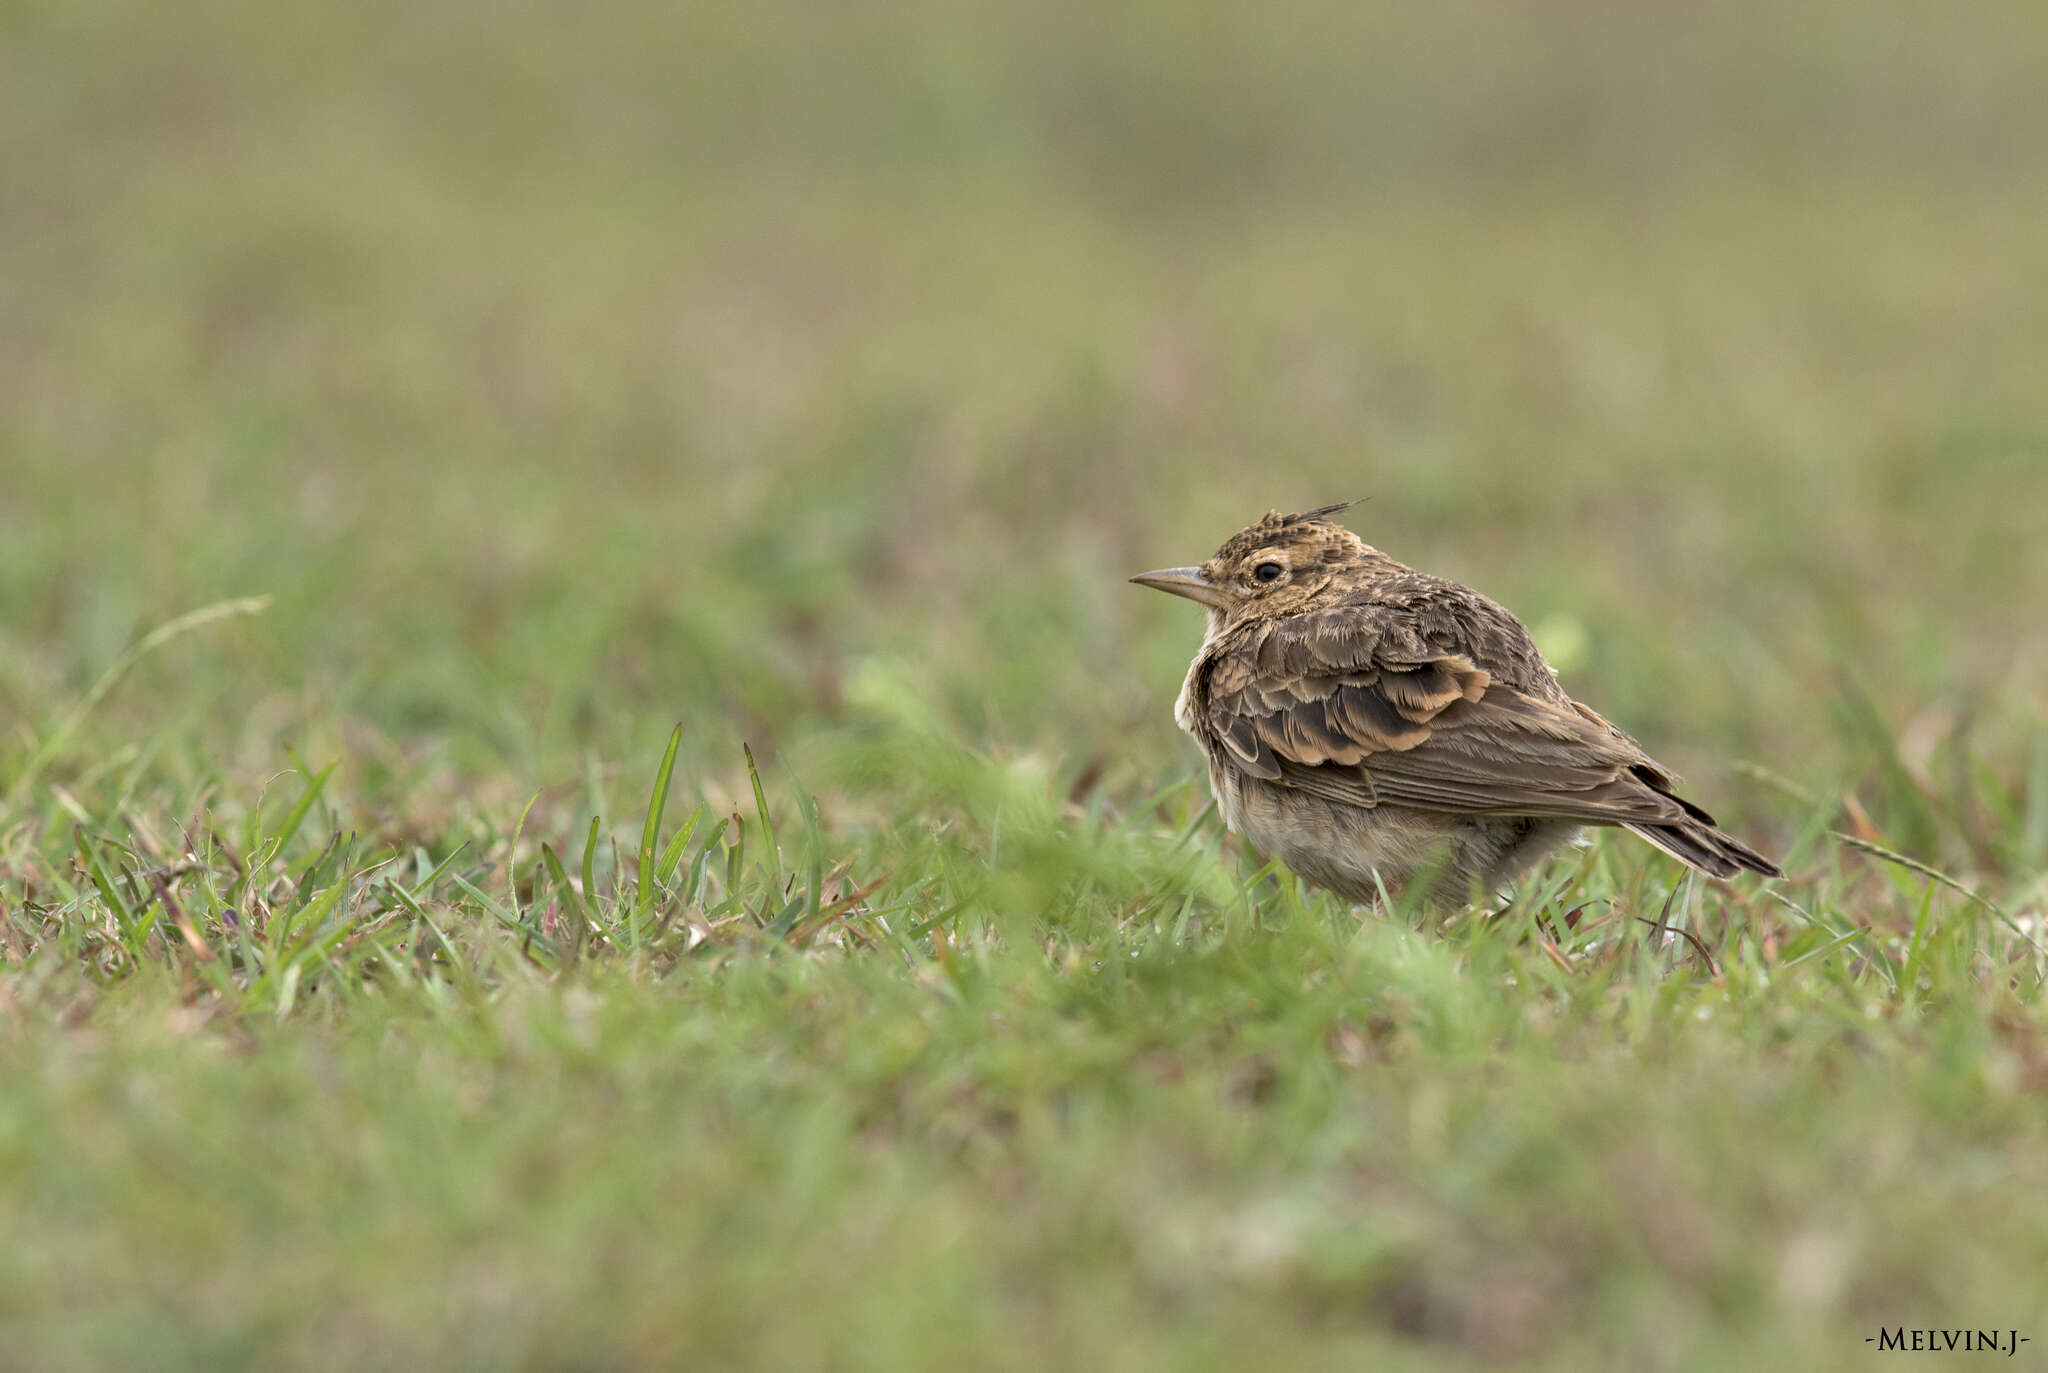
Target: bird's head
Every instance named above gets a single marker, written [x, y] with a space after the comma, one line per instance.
[1275, 567]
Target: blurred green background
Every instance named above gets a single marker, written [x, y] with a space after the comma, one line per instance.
[798, 371]
[566, 372]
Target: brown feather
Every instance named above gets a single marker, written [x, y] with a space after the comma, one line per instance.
[1347, 695]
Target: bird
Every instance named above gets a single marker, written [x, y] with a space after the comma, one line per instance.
[1374, 727]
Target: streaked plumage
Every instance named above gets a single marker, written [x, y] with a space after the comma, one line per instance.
[1362, 718]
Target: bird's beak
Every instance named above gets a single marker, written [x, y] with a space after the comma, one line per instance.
[1183, 581]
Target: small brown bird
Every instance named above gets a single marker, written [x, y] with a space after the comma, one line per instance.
[1368, 724]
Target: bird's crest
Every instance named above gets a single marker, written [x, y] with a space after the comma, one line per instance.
[1321, 512]
[1277, 527]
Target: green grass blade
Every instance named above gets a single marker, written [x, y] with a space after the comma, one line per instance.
[458, 969]
[814, 849]
[578, 912]
[650, 833]
[512, 858]
[1916, 948]
[308, 917]
[96, 869]
[786, 919]
[1822, 947]
[692, 888]
[673, 854]
[590, 862]
[426, 884]
[774, 855]
[491, 906]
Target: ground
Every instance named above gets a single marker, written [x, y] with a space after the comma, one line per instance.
[425, 429]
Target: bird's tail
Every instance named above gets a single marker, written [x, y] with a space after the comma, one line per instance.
[1697, 844]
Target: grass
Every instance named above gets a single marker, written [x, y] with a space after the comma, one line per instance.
[580, 785]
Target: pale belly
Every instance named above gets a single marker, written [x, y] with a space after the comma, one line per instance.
[1353, 851]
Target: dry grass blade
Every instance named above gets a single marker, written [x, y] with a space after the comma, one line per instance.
[1663, 928]
[1699, 949]
[201, 950]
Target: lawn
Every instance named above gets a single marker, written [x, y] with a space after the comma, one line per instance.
[581, 786]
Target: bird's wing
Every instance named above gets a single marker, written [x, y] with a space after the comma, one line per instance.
[1356, 704]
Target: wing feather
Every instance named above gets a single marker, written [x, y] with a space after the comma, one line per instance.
[1355, 704]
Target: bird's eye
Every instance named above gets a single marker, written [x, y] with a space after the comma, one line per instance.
[1269, 572]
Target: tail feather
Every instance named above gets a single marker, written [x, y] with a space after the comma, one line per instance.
[1708, 849]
